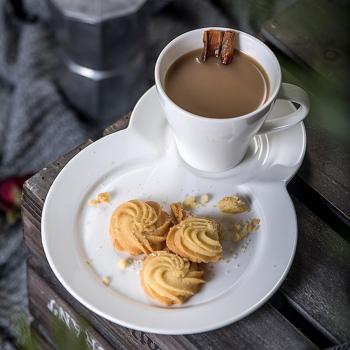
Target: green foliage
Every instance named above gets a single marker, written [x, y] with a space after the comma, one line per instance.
[26, 339]
[63, 337]
[67, 339]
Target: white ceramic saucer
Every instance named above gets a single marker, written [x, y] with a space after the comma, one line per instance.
[142, 162]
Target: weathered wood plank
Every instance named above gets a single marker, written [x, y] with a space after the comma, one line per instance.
[298, 289]
[318, 282]
[48, 310]
[40, 340]
[322, 45]
[31, 233]
[327, 159]
[39, 184]
[120, 124]
[35, 190]
[41, 343]
[265, 329]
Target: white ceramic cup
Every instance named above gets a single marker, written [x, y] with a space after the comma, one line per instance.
[214, 145]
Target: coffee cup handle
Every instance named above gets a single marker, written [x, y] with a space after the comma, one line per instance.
[290, 93]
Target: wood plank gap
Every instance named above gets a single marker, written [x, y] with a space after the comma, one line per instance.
[41, 337]
[27, 195]
[320, 206]
[31, 211]
[300, 319]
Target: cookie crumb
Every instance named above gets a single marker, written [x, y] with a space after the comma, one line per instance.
[106, 281]
[242, 229]
[204, 199]
[232, 205]
[190, 202]
[222, 234]
[102, 197]
[124, 263]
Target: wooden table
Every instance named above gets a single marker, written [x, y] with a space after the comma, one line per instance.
[311, 309]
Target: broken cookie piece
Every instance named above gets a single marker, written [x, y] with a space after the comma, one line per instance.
[242, 229]
[232, 205]
[124, 263]
[178, 212]
[204, 199]
[102, 197]
[189, 202]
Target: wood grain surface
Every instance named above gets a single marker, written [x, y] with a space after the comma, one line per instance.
[321, 43]
[49, 310]
[264, 329]
[41, 337]
[322, 46]
[41, 341]
[319, 280]
[320, 257]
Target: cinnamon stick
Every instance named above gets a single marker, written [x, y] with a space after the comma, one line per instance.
[228, 47]
[212, 40]
[219, 44]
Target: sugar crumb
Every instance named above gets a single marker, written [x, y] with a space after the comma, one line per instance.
[242, 229]
[106, 281]
[124, 263]
[204, 199]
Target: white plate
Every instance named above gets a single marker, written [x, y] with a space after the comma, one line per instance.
[142, 162]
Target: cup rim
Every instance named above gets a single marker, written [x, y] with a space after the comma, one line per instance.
[217, 120]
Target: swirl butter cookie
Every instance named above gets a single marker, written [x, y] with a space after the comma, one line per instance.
[139, 227]
[170, 279]
[197, 239]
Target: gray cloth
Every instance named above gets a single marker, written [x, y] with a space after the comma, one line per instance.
[36, 125]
